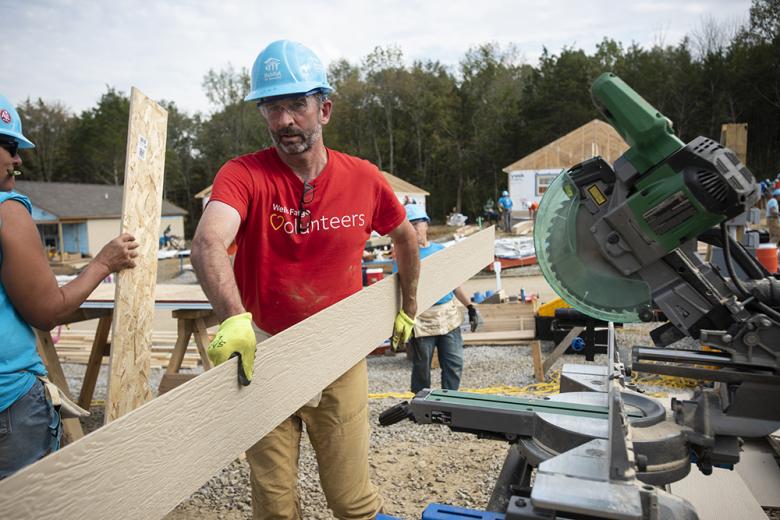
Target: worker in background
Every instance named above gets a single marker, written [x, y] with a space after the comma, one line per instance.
[533, 209]
[301, 214]
[505, 208]
[438, 327]
[30, 297]
[489, 212]
[773, 216]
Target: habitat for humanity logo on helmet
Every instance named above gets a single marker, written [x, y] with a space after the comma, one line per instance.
[272, 69]
[5, 116]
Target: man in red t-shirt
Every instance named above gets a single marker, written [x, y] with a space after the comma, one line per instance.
[300, 215]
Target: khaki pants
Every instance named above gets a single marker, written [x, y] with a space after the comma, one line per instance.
[339, 432]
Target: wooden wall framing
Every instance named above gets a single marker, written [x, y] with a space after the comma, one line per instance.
[148, 461]
[131, 338]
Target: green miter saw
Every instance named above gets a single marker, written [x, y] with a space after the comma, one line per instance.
[600, 231]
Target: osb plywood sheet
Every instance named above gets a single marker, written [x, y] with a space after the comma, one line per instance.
[131, 339]
[149, 460]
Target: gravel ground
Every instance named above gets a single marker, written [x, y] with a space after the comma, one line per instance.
[412, 465]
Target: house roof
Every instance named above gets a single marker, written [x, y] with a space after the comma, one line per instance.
[589, 140]
[398, 185]
[70, 200]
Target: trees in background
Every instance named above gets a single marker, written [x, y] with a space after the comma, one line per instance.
[447, 130]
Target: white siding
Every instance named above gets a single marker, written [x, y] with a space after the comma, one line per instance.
[523, 186]
[100, 232]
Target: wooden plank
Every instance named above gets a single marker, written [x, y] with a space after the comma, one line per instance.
[71, 428]
[486, 338]
[177, 356]
[164, 293]
[560, 349]
[536, 354]
[171, 381]
[149, 460]
[99, 350]
[735, 136]
[720, 496]
[128, 380]
[202, 340]
[519, 323]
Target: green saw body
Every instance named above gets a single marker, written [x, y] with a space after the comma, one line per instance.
[599, 226]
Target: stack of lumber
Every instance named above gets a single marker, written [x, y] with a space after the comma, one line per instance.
[74, 346]
[523, 228]
[164, 293]
[507, 323]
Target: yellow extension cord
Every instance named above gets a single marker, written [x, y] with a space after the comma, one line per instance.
[553, 385]
[546, 388]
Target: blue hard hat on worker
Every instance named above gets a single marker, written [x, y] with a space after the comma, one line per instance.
[416, 212]
[286, 68]
[776, 193]
[11, 124]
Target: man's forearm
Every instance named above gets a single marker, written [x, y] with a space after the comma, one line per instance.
[215, 274]
[407, 257]
[460, 294]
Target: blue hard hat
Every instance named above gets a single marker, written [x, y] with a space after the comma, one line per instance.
[776, 193]
[416, 212]
[285, 68]
[504, 193]
[11, 123]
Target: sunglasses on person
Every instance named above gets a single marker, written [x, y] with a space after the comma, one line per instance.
[10, 145]
[304, 215]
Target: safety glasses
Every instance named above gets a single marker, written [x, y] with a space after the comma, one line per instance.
[11, 146]
[304, 215]
[295, 107]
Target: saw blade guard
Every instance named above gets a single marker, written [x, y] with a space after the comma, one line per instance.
[572, 263]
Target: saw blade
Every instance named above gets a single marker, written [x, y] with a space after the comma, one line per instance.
[572, 263]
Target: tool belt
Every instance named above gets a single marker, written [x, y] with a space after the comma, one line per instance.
[67, 408]
[438, 320]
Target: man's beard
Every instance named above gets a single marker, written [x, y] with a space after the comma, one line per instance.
[308, 139]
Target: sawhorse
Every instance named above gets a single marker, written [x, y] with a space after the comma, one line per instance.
[71, 428]
[189, 322]
[542, 365]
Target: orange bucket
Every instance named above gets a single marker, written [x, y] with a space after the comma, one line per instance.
[767, 255]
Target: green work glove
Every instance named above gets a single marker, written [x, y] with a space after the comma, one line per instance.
[235, 337]
[402, 331]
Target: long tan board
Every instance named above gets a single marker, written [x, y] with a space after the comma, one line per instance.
[131, 338]
[146, 462]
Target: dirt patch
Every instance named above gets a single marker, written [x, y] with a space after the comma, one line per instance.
[460, 472]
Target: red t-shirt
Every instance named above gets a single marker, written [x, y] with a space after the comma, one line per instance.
[285, 277]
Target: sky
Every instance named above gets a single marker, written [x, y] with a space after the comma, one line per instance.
[71, 50]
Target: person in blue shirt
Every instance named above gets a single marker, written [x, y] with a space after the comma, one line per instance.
[438, 327]
[505, 207]
[30, 297]
[773, 217]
